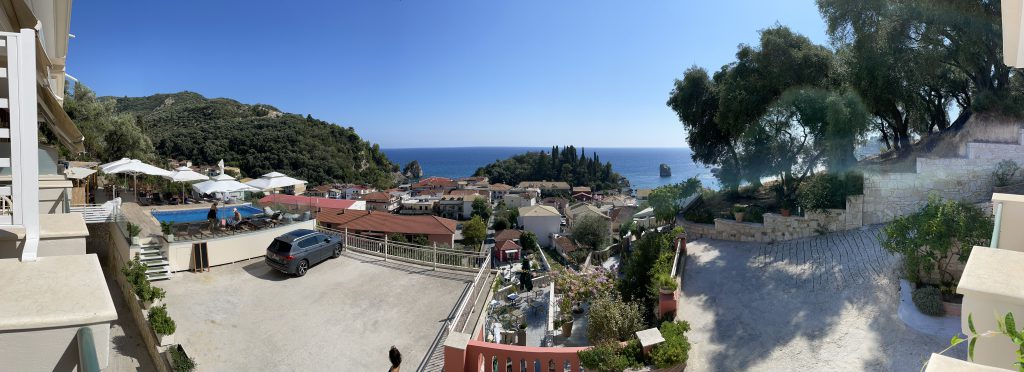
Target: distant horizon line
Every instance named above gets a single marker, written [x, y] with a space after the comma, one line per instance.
[531, 147]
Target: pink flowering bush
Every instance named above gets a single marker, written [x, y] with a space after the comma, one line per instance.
[579, 287]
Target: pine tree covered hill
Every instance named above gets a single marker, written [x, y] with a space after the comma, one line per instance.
[257, 138]
[561, 164]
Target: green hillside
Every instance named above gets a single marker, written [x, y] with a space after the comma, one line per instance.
[256, 138]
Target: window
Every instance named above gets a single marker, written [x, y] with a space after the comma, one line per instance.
[304, 244]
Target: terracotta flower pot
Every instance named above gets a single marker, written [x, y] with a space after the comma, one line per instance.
[785, 212]
[567, 329]
[738, 215]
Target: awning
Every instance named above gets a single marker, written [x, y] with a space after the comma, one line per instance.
[59, 121]
[78, 173]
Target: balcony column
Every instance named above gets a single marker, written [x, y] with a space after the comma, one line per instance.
[991, 288]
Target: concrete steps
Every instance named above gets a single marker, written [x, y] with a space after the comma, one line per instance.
[158, 267]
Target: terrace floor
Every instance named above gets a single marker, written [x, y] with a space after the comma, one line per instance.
[343, 315]
[825, 303]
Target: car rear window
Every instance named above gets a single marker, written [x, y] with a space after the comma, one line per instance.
[280, 247]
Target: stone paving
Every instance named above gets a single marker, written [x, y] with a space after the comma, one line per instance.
[825, 303]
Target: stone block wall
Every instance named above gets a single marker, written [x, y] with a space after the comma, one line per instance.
[889, 195]
[777, 228]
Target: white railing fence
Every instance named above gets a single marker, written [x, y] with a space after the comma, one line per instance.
[433, 256]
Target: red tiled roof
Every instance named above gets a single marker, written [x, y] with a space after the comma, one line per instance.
[567, 244]
[500, 187]
[386, 222]
[378, 197]
[508, 234]
[507, 244]
[323, 188]
[307, 201]
[435, 182]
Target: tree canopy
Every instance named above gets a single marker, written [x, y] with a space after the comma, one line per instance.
[561, 164]
[474, 232]
[591, 231]
[256, 138]
[776, 111]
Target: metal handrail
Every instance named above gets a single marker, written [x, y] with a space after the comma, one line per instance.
[88, 361]
[472, 287]
[995, 226]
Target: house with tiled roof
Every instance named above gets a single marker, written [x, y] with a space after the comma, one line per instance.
[325, 191]
[433, 186]
[508, 234]
[309, 202]
[498, 190]
[507, 250]
[545, 185]
[564, 245]
[458, 206]
[542, 221]
[381, 201]
[437, 230]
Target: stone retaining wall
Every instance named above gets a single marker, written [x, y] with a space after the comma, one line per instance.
[776, 227]
[889, 195]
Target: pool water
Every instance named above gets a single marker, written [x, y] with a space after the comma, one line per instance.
[193, 215]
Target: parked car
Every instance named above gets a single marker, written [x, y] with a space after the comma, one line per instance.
[295, 252]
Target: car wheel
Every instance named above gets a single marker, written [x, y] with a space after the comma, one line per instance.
[300, 270]
[337, 251]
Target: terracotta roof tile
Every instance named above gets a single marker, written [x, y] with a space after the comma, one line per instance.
[386, 222]
[508, 234]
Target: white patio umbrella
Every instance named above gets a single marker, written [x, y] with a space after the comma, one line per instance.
[103, 167]
[274, 180]
[135, 167]
[222, 183]
[185, 174]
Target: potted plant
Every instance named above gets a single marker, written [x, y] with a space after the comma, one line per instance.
[133, 233]
[666, 284]
[179, 360]
[737, 212]
[167, 228]
[162, 324]
[786, 208]
[521, 335]
[151, 295]
[566, 316]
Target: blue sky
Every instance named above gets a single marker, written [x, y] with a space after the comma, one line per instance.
[432, 73]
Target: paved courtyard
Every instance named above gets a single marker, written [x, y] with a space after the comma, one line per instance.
[343, 315]
[825, 303]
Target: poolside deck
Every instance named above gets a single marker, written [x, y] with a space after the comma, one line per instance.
[140, 215]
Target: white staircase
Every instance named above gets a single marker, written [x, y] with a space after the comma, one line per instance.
[158, 266]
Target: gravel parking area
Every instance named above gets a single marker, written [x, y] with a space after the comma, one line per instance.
[343, 315]
[826, 303]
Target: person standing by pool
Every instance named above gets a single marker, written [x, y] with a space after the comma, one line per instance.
[212, 216]
[236, 217]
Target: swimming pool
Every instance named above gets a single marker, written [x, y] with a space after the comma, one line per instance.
[193, 215]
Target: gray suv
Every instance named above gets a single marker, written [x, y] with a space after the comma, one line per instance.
[295, 252]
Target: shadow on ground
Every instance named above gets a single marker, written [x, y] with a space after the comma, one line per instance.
[822, 303]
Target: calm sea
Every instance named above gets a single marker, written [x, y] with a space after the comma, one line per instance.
[638, 165]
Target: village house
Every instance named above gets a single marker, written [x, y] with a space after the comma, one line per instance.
[310, 203]
[325, 191]
[440, 231]
[458, 206]
[643, 194]
[433, 186]
[519, 200]
[564, 245]
[419, 205]
[381, 201]
[498, 190]
[547, 187]
[542, 221]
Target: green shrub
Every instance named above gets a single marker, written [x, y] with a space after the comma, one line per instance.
[739, 208]
[928, 300]
[929, 239]
[1005, 172]
[604, 357]
[610, 319]
[165, 227]
[665, 281]
[754, 214]
[133, 230]
[182, 362]
[161, 322]
[829, 191]
[135, 272]
[676, 348]
[700, 214]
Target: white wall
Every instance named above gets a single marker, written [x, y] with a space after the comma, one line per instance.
[231, 248]
[542, 226]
